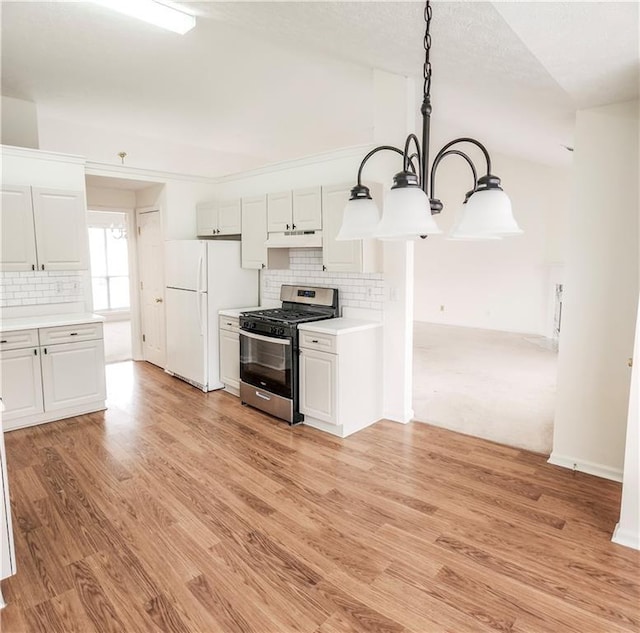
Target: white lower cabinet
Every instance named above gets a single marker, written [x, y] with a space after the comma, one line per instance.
[230, 354]
[318, 381]
[49, 381]
[340, 375]
[72, 374]
[21, 383]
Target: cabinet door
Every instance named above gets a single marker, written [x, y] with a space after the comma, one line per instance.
[307, 209]
[61, 229]
[229, 217]
[207, 218]
[8, 558]
[318, 380]
[18, 241]
[230, 358]
[21, 383]
[279, 212]
[73, 374]
[343, 256]
[254, 232]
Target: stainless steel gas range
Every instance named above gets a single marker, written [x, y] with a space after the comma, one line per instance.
[269, 349]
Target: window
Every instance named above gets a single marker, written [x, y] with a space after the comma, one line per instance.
[109, 266]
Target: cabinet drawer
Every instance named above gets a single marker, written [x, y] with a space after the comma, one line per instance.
[322, 342]
[70, 333]
[229, 323]
[19, 339]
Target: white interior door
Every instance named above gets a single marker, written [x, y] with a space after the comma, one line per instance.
[151, 269]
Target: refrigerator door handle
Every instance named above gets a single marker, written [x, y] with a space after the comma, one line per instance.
[200, 271]
[200, 295]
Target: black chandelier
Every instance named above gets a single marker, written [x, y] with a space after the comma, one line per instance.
[411, 202]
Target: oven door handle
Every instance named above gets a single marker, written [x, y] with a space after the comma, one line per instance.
[266, 339]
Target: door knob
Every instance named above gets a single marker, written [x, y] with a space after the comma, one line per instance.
[159, 299]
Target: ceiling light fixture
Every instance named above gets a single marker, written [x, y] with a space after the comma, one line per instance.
[153, 12]
[411, 202]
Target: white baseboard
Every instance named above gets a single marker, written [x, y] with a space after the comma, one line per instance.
[626, 538]
[591, 468]
[53, 416]
[403, 417]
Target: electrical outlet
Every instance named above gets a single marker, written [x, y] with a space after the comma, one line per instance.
[58, 287]
[369, 291]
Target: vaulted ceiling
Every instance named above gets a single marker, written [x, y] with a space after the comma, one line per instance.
[257, 82]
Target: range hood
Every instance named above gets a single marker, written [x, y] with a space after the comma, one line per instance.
[294, 239]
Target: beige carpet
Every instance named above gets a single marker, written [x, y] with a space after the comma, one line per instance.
[495, 385]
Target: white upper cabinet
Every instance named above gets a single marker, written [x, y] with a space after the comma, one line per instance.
[61, 229]
[207, 218]
[297, 210]
[229, 217]
[307, 209]
[43, 229]
[359, 256]
[279, 212]
[219, 218]
[254, 234]
[16, 224]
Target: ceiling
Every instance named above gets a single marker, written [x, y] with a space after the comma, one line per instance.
[259, 82]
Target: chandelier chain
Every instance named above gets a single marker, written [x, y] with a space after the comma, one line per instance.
[427, 49]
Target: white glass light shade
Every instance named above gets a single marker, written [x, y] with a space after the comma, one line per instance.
[360, 218]
[487, 213]
[456, 234]
[406, 215]
[153, 12]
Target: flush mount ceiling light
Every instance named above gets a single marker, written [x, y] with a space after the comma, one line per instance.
[153, 12]
[411, 202]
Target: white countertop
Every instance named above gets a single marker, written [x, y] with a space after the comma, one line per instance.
[235, 312]
[335, 327]
[48, 320]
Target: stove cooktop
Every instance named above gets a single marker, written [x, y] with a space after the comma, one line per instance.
[290, 315]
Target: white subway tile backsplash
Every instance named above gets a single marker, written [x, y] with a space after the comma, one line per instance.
[359, 290]
[41, 287]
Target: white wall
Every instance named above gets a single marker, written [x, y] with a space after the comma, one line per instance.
[110, 198]
[601, 293]
[103, 144]
[19, 123]
[174, 195]
[498, 285]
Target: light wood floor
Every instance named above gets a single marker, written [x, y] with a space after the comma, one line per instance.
[180, 511]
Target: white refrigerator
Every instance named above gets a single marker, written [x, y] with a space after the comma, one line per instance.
[202, 277]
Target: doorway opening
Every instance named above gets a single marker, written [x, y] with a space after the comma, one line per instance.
[485, 341]
[110, 280]
[127, 258]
